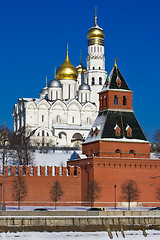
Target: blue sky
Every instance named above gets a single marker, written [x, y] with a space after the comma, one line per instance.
[33, 40]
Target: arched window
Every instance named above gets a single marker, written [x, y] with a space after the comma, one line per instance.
[99, 68]
[93, 81]
[42, 118]
[42, 133]
[47, 134]
[93, 68]
[100, 81]
[124, 100]
[118, 151]
[132, 151]
[38, 134]
[115, 100]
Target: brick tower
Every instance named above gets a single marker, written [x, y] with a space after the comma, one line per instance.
[117, 149]
[116, 129]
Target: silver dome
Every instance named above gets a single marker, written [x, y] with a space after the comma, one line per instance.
[43, 91]
[55, 83]
[84, 86]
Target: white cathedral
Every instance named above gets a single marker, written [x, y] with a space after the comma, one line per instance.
[66, 108]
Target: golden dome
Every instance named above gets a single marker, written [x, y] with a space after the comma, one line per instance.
[96, 31]
[67, 70]
[81, 69]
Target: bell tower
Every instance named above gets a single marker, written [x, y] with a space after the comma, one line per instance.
[95, 74]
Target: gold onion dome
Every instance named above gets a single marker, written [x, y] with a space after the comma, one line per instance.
[96, 31]
[81, 69]
[67, 70]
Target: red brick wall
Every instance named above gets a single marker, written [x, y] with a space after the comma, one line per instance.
[110, 171]
[38, 187]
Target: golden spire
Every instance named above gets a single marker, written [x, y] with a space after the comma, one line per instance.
[46, 81]
[115, 62]
[95, 18]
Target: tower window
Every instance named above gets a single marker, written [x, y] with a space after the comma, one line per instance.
[72, 119]
[93, 81]
[117, 131]
[98, 49]
[93, 68]
[124, 100]
[115, 100]
[42, 118]
[99, 68]
[47, 134]
[95, 49]
[100, 81]
[42, 133]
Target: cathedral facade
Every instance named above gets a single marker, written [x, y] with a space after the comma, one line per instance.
[67, 107]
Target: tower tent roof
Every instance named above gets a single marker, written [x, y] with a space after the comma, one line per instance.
[113, 79]
[106, 123]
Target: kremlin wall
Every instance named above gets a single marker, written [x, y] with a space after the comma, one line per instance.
[116, 147]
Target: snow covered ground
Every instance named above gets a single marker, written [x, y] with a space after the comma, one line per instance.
[129, 235]
[59, 158]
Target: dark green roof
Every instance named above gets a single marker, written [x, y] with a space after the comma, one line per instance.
[122, 119]
[113, 84]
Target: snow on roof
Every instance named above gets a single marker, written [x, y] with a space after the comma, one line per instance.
[99, 122]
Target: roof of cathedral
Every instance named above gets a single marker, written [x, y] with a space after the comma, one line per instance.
[44, 90]
[67, 70]
[84, 86]
[115, 80]
[107, 122]
[55, 83]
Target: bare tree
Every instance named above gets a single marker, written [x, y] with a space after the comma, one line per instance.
[130, 192]
[56, 192]
[93, 192]
[21, 152]
[19, 189]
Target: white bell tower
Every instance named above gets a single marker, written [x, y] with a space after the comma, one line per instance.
[96, 74]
